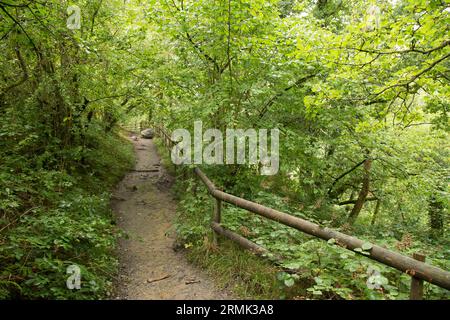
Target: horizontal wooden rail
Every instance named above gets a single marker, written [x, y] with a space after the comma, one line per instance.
[410, 266]
[398, 261]
[250, 245]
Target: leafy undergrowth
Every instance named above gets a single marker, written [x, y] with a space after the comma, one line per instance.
[311, 268]
[334, 272]
[51, 219]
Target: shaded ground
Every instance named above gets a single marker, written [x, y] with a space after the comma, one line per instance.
[145, 209]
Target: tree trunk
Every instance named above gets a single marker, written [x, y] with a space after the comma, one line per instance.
[362, 194]
[375, 213]
[435, 213]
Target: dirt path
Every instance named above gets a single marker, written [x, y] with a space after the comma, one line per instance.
[145, 209]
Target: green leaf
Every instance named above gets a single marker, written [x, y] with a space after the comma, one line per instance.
[289, 282]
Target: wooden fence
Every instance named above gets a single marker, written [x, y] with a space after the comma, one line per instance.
[414, 267]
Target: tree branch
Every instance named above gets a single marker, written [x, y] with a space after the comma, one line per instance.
[23, 66]
[344, 174]
[207, 57]
[422, 51]
[342, 203]
[23, 29]
[15, 5]
[413, 78]
[272, 100]
[95, 15]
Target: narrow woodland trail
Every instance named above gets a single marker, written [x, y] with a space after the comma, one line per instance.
[145, 209]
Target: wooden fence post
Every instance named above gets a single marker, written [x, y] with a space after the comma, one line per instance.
[416, 292]
[217, 217]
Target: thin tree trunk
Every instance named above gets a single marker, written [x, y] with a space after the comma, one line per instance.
[375, 213]
[435, 213]
[362, 194]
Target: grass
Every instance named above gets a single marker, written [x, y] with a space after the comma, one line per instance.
[165, 156]
[233, 268]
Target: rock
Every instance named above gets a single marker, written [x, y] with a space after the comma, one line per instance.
[147, 134]
[177, 246]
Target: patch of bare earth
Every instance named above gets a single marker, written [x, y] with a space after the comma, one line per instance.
[145, 210]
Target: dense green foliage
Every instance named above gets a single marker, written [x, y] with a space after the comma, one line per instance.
[359, 90]
[60, 156]
[53, 219]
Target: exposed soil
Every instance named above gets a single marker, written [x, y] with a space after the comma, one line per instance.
[145, 209]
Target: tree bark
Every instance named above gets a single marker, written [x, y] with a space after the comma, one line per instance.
[353, 201]
[362, 194]
[375, 213]
[435, 213]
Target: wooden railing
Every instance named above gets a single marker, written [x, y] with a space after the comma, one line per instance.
[414, 267]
